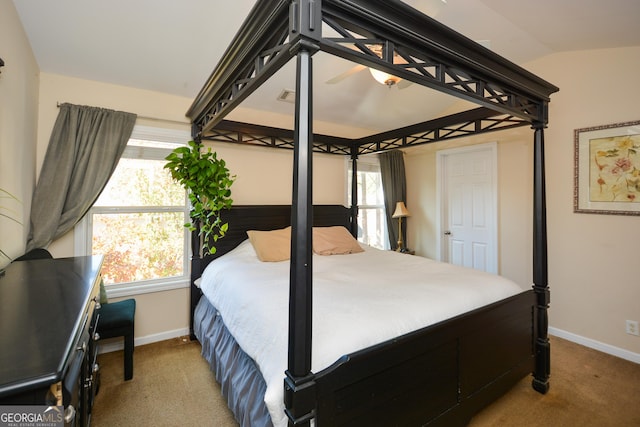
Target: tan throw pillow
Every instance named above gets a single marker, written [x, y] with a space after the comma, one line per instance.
[334, 241]
[271, 246]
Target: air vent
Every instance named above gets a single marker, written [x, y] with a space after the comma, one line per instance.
[287, 95]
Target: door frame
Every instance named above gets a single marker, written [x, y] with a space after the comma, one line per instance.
[441, 156]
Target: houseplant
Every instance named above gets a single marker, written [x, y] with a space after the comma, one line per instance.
[208, 183]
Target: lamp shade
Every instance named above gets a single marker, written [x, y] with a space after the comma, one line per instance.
[401, 211]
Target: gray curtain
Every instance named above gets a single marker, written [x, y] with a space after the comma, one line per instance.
[85, 146]
[394, 185]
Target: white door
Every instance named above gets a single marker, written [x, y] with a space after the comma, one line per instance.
[467, 184]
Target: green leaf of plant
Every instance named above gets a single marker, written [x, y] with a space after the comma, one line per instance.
[207, 181]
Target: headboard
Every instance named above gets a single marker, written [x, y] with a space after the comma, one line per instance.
[257, 217]
[268, 217]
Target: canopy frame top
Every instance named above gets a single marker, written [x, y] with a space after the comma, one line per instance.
[387, 35]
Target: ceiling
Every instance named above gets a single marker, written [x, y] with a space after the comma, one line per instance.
[172, 47]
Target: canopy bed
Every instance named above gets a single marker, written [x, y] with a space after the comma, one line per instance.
[440, 374]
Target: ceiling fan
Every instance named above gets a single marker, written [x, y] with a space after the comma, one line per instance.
[383, 77]
[380, 76]
[429, 7]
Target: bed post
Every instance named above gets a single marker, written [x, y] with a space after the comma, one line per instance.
[299, 382]
[197, 263]
[354, 191]
[301, 221]
[540, 276]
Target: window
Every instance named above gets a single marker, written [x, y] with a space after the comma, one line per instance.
[137, 223]
[372, 223]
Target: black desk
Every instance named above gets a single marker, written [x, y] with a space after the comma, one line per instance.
[47, 352]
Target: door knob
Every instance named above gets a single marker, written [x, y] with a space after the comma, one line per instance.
[447, 233]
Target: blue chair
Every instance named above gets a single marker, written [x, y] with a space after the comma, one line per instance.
[117, 320]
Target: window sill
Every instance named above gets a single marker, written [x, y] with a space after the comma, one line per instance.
[131, 289]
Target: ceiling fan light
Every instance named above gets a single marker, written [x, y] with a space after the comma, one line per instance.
[384, 78]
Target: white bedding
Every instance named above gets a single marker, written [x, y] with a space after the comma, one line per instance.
[358, 300]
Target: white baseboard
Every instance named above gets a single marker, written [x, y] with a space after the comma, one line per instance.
[115, 344]
[596, 345]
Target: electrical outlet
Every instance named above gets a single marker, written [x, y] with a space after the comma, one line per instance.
[632, 327]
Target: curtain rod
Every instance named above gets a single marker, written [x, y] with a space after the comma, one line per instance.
[58, 104]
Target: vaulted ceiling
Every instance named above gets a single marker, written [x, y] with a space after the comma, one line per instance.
[172, 47]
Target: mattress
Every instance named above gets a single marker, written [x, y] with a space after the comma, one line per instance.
[359, 300]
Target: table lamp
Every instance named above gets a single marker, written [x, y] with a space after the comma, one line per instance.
[400, 212]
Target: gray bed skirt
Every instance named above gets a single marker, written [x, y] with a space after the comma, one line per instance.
[240, 380]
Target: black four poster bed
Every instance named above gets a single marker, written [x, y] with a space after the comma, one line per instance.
[436, 375]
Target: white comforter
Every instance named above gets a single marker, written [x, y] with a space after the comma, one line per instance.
[358, 300]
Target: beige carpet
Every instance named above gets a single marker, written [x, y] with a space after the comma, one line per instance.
[588, 388]
[172, 386]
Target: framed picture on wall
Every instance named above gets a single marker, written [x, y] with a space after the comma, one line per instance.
[607, 169]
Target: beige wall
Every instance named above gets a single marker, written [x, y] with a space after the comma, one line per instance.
[592, 258]
[263, 175]
[18, 119]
